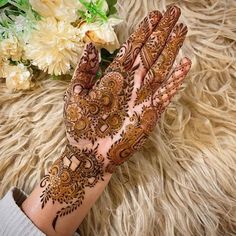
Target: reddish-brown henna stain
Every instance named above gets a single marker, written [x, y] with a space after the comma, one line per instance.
[95, 112]
[68, 177]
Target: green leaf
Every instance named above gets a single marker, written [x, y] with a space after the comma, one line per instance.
[93, 11]
[22, 5]
[112, 8]
[55, 77]
[3, 3]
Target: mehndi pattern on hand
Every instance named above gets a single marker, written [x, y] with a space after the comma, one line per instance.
[109, 119]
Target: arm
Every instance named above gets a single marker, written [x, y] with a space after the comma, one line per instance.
[46, 218]
[108, 121]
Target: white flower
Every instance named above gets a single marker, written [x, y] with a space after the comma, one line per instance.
[3, 66]
[11, 48]
[60, 9]
[18, 78]
[101, 34]
[54, 46]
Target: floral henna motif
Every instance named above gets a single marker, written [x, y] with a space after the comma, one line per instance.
[107, 121]
[68, 176]
[133, 138]
[104, 109]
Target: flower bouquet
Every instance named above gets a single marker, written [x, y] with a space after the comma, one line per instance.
[49, 36]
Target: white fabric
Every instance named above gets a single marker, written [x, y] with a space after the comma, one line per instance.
[13, 221]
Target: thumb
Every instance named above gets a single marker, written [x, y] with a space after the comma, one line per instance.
[86, 70]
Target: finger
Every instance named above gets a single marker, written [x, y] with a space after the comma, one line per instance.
[164, 63]
[130, 49]
[161, 68]
[157, 40]
[168, 89]
[85, 72]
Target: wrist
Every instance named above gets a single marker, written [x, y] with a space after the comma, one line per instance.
[65, 195]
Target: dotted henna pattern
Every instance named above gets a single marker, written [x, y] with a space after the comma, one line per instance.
[110, 119]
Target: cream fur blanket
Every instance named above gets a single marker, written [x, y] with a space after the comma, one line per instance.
[184, 180]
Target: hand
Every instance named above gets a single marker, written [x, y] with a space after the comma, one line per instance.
[108, 121]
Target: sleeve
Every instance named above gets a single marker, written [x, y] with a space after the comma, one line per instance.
[13, 221]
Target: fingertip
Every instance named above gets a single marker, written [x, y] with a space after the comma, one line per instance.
[155, 14]
[153, 17]
[180, 30]
[186, 62]
[173, 10]
[90, 47]
[89, 44]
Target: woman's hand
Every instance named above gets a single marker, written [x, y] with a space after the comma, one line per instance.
[108, 120]
[113, 118]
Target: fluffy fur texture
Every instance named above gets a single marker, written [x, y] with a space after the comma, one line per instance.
[184, 180]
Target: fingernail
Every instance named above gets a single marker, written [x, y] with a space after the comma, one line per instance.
[186, 60]
[174, 10]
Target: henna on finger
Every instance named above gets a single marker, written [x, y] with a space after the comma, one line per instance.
[85, 72]
[157, 40]
[130, 49]
[161, 68]
[150, 52]
[163, 95]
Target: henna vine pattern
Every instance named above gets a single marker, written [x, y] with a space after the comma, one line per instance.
[109, 119]
[68, 176]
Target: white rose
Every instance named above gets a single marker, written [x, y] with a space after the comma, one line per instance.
[11, 48]
[65, 10]
[18, 78]
[101, 34]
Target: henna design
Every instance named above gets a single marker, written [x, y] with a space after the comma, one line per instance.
[85, 72]
[155, 43]
[68, 177]
[129, 50]
[110, 119]
[162, 66]
[104, 109]
[167, 90]
[133, 138]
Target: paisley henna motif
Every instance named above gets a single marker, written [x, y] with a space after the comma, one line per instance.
[110, 119]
